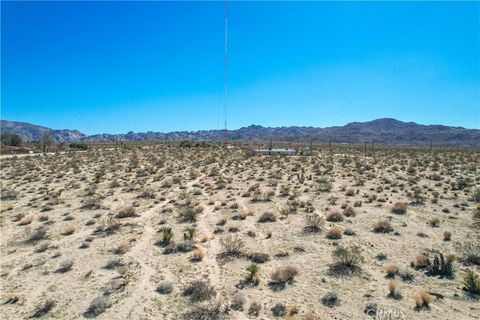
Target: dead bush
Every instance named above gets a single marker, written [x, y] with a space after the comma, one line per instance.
[399, 208]
[335, 216]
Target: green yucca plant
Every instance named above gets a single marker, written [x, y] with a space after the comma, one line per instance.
[167, 235]
[189, 234]
[252, 270]
[471, 282]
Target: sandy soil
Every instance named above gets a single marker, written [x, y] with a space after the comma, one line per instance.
[73, 203]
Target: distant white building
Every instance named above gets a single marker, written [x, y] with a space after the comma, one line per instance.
[275, 151]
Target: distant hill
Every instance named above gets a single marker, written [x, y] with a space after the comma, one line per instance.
[31, 132]
[385, 131]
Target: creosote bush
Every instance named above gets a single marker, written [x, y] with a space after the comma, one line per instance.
[232, 245]
[382, 227]
[346, 261]
[97, 307]
[313, 223]
[199, 290]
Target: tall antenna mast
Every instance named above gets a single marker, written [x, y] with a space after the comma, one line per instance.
[225, 71]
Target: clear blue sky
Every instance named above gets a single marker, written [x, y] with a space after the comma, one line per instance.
[120, 66]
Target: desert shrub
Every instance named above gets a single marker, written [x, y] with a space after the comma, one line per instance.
[350, 192]
[267, 217]
[406, 275]
[349, 212]
[8, 194]
[476, 195]
[198, 255]
[43, 247]
[335, 216]
[112, 264]
[476, 217]
[399, 208]
[69, 230]
[382, 227]
[97, 307]
[122, 248]
[43, 309]
[115, 285]
[170, 248]
[434, 222]
[334, 233]
[211, 311]
[423, 300]
[447, 236]
[279, 310]
[259, 257]
[471, 282]
[189, 213]
[393, 291]
[232, 245]
[36, 235]
[238, 301]
[199, 290]
[346, 261]
[421, 261]
[78, 145]
[126, 212]
[469, 249]
[313, 223]
[282, 276]
[26, 220]
[330, 300]
[391, 271]
[91, 203]
[254, 309]
[324, 185]
[165, 287]
[108, 227]
[185, 246]
[260, 196]
[65, 266]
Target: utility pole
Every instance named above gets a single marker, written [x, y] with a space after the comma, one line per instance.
[225, 72]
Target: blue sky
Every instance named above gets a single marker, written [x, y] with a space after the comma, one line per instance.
[120, 66]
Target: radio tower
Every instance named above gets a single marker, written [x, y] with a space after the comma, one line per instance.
[225, 73]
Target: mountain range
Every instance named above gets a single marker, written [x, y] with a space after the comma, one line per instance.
[384, 131]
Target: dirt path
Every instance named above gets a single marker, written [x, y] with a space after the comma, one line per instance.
[133, 307]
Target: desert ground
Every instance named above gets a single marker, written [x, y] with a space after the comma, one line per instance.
[176, 232]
